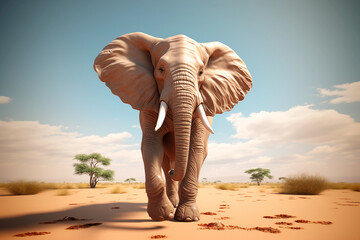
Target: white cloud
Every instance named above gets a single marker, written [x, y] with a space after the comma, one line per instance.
[4, 99]
[345, 93]
[298, 125]
[30, 150]
[300, 139]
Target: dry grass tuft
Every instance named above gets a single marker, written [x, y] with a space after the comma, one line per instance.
[139, 185]
[304, 185]
[117, 190]
[24, 188]
[226, 186]
[342, 185]
[63, 192]
[231, 186]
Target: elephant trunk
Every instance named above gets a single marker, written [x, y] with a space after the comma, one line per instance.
[182, 105]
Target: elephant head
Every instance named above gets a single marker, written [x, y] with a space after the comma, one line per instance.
[177, 73]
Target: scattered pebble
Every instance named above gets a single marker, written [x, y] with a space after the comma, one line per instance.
[280, 216]
[283, 223]
[208, 213]
[294, 228]
[224, 206]
[158, 236]
[316, 222]
[222, 218]
[347, 204]
[220, 226]
[29, 234]
[87, 225]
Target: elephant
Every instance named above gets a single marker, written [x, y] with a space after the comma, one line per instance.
[178, 85]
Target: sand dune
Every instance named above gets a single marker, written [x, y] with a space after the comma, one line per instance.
[249, 213]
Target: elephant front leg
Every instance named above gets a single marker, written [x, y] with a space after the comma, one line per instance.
[188, 210]
[159, 207]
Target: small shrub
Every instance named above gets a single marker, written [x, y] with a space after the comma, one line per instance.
[63, 192]
[24, 188]
[304, 185]
[117, 190]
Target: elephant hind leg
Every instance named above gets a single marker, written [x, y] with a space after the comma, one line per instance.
[171, 185]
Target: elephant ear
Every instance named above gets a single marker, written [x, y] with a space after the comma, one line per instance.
[227, 79]
[126, 68]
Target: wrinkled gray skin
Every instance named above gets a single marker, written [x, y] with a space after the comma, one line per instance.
[145, 71]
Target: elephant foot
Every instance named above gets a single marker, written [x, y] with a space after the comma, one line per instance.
[160, 210]
[187, 212]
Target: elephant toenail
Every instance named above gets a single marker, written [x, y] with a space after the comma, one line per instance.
[188, 219]
[196, 219]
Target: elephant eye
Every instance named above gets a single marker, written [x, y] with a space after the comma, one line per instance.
[161, 69]
[201, 72]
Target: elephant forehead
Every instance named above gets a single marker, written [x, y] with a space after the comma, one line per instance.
[175, 47]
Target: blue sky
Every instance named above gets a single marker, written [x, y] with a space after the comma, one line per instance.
[296, 51]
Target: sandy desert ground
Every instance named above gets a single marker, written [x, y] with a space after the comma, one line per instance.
[248, 213]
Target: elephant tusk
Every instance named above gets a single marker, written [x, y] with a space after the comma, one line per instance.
[203, 118]
[162, 114]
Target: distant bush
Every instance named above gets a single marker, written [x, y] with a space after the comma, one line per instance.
[117, 190]
[304, 185]
[342, 185]
[355, 187]
[63, 192]
[24, 188]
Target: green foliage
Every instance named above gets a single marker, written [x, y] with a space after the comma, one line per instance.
[258, 174]
[24, 188]
[90, 165]
[304, 185]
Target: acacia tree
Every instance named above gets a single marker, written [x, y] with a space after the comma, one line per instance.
[90, 164]
[258, 174]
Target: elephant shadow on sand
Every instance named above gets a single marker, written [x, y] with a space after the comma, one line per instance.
[104, 213]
